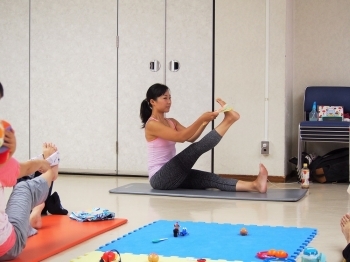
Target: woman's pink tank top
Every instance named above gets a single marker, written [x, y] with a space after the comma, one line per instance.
[160, 151]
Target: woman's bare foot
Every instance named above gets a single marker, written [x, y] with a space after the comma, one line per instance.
[345, 227]
[231, 115]
[260, 183]
[35, 216]
[48, 149]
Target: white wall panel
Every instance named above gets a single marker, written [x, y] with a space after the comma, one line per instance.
[240, 80]
[14, 71]
[189, 40]
[74, 81]
[141, 29]
[250, 68]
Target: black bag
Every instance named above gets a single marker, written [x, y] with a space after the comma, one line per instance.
[332, 167]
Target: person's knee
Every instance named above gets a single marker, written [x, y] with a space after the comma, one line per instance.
[22, 185]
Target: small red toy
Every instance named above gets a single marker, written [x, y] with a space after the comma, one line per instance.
[111, 256]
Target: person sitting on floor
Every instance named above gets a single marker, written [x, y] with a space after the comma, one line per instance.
[52, 203]
[345, 228]
[170, 171]
[16, 218]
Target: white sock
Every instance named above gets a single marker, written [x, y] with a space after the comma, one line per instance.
[54, 159]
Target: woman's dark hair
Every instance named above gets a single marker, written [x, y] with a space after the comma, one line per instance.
[153, 92]
[1, 91]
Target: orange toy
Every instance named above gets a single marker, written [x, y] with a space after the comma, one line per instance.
[4, 151]
[153, 257]
[277, 253]
[243, 231]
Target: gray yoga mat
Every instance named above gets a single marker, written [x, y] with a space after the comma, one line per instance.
[282, 195]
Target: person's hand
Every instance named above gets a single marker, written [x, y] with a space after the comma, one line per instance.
[209, 116]
[10, 141]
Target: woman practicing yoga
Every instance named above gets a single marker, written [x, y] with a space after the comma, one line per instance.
[167, 170]
[22, 212]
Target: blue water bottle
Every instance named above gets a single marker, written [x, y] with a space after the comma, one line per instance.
[313, 116]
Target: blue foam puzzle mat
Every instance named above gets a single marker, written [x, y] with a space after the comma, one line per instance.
[213, 240]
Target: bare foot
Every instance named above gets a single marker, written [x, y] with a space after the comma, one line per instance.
[260, 183]
[232, 115]
[345, 227]
[48, 149]
[35, 216]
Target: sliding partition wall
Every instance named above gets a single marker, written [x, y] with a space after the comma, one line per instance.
[168, 42]
[76, 73]
[73, 81]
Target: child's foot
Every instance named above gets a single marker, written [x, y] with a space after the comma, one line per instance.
[345, 227]
[35, 216]
[260, 183]
[54, 159]
[48, 149]
[229, 113]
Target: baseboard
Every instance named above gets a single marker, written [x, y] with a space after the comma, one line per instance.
[274, 179]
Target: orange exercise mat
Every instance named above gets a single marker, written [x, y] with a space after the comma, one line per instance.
[59, 233]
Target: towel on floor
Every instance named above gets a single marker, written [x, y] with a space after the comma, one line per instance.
[95, 214]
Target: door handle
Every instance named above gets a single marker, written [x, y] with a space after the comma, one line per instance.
[154, 65]
[174, 65]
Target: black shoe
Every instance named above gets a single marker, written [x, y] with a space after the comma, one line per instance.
[53, 205]
[44, 211]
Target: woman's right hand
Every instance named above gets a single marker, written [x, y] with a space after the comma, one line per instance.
[209, 116]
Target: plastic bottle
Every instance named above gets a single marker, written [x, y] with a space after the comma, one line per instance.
[313, 116]
[305, 175]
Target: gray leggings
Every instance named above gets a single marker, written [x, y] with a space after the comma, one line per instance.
[24, 197]
[178, 172]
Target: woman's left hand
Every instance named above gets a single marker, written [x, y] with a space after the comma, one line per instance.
[10, 141]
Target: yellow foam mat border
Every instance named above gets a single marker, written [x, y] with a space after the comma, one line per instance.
[95, 256]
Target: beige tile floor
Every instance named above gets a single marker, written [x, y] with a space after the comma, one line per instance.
[321, 208]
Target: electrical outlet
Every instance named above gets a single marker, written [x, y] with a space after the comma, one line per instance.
[265, 147]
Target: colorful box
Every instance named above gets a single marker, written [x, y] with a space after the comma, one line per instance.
[330, 113]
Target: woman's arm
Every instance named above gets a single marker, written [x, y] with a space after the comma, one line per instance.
[193, 138]
[156, 129]
[31, 166]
